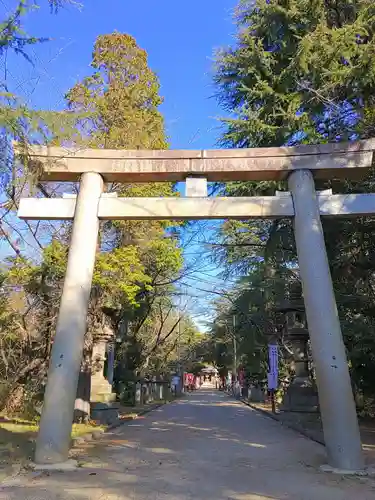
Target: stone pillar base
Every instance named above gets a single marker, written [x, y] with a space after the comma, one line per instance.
[256, 395]
[300, 397]
[105, 413]
[101, 390]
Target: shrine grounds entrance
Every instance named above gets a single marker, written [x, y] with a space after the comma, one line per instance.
[298, 165]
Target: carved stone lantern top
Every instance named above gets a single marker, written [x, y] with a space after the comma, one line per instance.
[104, 334]
[296, 332]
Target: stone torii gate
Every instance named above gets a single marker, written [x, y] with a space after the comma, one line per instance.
[299, 165]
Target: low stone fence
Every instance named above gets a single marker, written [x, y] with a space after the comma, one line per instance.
[254, 393]
[144, 392]
[149, 391]
[132, 395]
[257, 394]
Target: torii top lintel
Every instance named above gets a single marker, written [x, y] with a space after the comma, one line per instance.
[338, 160]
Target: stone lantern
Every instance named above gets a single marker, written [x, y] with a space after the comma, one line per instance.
[101, 387]
[301, 395]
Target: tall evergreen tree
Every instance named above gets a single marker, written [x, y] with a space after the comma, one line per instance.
[119, 102]
[119, 105]
[303, 71]
[122, 97]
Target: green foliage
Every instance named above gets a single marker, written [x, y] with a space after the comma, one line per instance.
[293, 62]
[248, 313]
[117, 107]
[29, 293]
[12, 35]
[19, 272]
[16, 119]
[120, 275]
[303, 71]
[162, 258]
[122, 96]
[54, 259]
[121, 100]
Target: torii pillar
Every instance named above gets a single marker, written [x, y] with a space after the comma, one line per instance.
[337, 406]
[54, 438]
[340, 425]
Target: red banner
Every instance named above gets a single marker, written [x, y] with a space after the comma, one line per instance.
[241, 377]
[189, 378]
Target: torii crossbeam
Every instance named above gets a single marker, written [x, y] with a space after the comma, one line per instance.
[298, 165]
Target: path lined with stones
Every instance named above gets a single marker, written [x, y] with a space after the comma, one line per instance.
[203, 447]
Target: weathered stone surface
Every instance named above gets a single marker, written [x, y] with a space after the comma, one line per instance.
[106, 413]
[69, 465]
[256, 394]
[300, 396]
[52, 444]
[264, 207]
[330, 160]
[101, 388]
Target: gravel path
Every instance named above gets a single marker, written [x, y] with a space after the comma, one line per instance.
[203, 447]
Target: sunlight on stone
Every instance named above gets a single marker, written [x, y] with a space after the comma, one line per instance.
[94, 465]
[247, 496]
[165, 451]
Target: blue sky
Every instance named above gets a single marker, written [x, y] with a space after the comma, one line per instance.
[180, 38]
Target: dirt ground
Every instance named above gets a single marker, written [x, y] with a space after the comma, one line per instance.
[311, 425]
[206, 446]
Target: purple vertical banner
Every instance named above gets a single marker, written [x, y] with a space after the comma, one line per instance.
[273, 357]
[272, 381]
